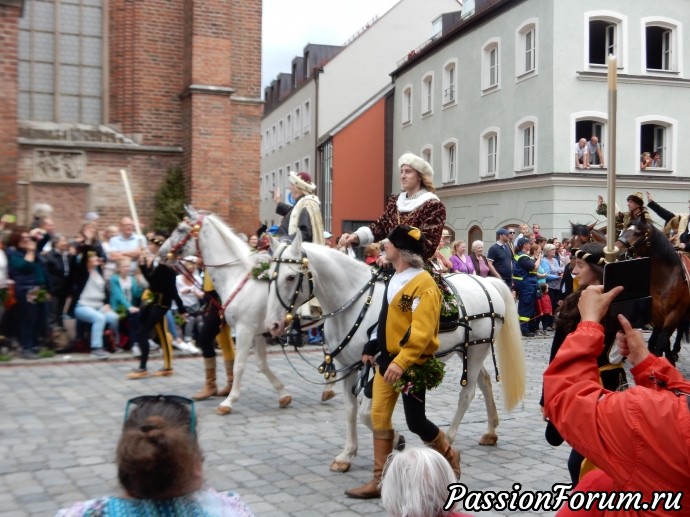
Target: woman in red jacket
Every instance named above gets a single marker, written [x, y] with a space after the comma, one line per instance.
[640, 438]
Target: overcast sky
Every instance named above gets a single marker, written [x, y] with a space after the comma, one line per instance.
[288, 25]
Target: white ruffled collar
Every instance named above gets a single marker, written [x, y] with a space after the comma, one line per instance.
[409, 204]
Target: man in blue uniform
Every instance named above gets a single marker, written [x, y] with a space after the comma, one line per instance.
[525, 282]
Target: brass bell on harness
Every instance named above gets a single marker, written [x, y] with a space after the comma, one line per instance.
[288, 318]
[328, 359]
[321, 369]
[463, 382]
[305, 262]
[170, 255]
[327, 375]
[196, 228]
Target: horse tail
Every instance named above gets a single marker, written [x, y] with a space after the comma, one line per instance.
[511, 357]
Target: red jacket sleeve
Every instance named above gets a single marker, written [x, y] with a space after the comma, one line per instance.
[639, 436]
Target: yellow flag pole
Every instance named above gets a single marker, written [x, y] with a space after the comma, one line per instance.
[611, 251]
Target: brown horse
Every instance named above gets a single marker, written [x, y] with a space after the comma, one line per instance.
[669, 287]
[584, 233]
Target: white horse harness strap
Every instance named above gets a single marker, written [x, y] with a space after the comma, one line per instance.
[464, 317]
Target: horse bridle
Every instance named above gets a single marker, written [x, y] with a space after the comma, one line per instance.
[630, 249]
[193, 233]
[175, 251]
[327, 368]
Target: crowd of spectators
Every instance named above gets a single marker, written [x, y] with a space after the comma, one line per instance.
[92, 279]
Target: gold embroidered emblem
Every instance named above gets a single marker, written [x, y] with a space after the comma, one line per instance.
[405, 303]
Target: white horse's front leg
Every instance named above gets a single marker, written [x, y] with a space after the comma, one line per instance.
[284, 398]
[343, 461]
[484, 382]
[243, 344]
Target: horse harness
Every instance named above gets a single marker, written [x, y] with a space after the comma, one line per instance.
[464, 321]
[327, 368]
[174, 254]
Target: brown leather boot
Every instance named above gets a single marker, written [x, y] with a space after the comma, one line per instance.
[441, 446]
[210, 389]
[224, 392]
[383, 446]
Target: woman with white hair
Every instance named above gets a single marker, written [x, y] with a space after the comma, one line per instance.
[417, 205]
[482, 265]
[415, 484]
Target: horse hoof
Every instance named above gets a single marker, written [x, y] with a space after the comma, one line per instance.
[223, 410]
[284, 401]
[489, 439]
[340, 466]
[327, 395]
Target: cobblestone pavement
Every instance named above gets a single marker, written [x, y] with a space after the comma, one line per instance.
[61, 418]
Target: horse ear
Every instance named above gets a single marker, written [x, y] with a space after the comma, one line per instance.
[296, 243]
[572, 224]
[273, 243]
[191, 213]
[591, 226]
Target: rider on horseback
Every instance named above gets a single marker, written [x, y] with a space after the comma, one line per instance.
[636, 209]
[676, 228]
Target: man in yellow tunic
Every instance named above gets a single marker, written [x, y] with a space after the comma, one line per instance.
[407, 334]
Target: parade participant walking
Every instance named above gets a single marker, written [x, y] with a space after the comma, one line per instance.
[417, 205]
[589, 269]
[525, 282]
[159, 466]
[638, 437]
[161, 279]
[305, 215]
[215, 327]
[410, 317]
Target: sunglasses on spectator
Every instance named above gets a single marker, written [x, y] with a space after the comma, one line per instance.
[511, 233]
[174, 399]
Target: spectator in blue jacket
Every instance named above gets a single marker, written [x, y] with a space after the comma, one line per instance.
[125, 297]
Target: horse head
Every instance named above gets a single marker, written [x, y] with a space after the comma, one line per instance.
[182, 241]
[291, 283]
[584, 233]
[642, 239]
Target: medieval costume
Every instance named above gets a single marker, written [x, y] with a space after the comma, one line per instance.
[407, 335]
[676, 225]
[163, 291]
[423, 210]
[305, 215]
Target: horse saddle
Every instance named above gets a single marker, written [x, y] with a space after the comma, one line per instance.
[450, 321]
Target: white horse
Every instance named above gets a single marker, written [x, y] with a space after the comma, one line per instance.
[337, 279]
[229, 262]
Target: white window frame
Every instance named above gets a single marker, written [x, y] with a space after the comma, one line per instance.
[599, 117]
[427, 95]
[676, 43]
[449, 160]
[306, 164]
[487, 134]
[281, 132]
[520, 127]
[406, 105]
[449, 92]
[521, 50]
[427, 153]
[671, 142]
[306, 117]
[273, 138]
[288, 128]
[296, 167]
[297, 130]
[491, 66]
[621, 43]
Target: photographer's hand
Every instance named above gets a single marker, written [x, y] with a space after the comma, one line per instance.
[594, 302]
[631, 343]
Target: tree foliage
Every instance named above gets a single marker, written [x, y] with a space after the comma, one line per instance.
[169, 202]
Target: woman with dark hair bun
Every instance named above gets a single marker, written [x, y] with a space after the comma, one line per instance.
[159, 466]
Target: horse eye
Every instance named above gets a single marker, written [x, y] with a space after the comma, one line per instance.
[291, 278]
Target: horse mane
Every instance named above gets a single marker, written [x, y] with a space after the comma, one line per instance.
[660, 246]
[239, 248]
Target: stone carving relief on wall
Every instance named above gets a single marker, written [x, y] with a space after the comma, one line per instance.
[61, 166]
